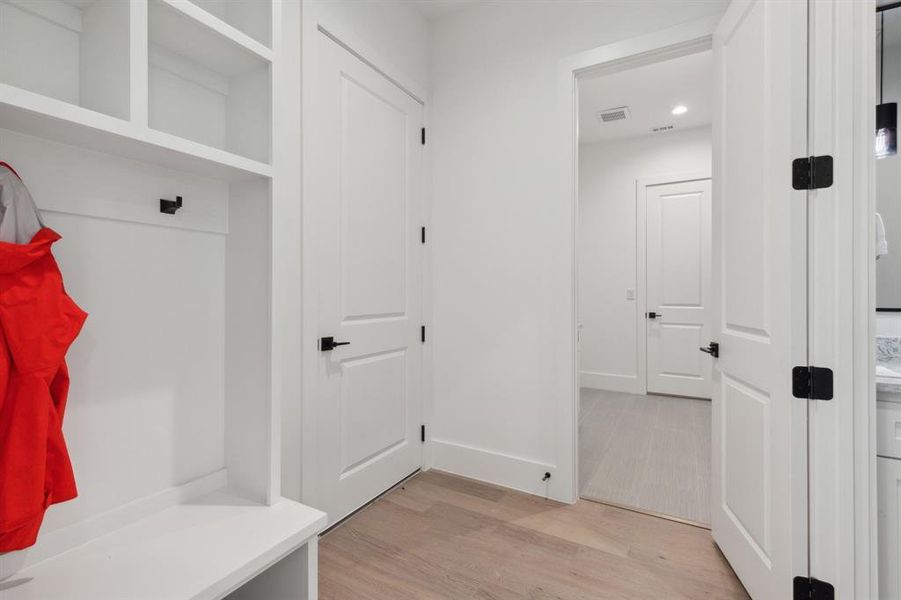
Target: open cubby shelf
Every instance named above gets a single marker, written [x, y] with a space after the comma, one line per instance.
[74, 51]
[204, 86]
[192, 92]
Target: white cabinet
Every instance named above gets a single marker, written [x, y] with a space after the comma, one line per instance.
[889, 527]
[888, 429]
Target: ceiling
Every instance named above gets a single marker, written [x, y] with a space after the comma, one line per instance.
[650, 92]
[435, 9]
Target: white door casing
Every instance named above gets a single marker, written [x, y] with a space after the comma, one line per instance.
[365, 205]
[678, 287]
[759, 479]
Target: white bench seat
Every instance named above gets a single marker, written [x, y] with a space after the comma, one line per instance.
[203, 549]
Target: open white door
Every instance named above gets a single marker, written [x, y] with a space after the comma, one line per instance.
[760, 271]
[364, 205]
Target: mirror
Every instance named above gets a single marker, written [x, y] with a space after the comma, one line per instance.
[888, 167]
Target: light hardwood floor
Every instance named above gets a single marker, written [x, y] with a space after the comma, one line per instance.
[650, 452]
[444, 537]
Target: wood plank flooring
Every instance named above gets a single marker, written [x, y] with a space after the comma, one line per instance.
[444, 537]
[650, 452]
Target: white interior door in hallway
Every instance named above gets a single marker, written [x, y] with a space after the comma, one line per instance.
[365, 203]
[678, 288]
[759, 482]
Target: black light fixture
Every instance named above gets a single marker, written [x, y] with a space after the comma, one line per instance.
[886, 112]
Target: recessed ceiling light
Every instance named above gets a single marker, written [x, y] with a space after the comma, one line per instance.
[680, 109]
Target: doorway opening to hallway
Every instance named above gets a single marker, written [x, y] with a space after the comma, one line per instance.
[645, 293]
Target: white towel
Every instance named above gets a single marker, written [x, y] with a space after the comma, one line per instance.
[881, 243]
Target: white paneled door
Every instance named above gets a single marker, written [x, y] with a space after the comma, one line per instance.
[759, 482]
[366, 208]
[678, 288]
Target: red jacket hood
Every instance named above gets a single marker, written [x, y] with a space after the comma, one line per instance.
[14, 257]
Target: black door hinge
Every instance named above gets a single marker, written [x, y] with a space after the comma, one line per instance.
[423, 136]
[808, 588]
[423, 235]
[813, 383]
[422, 433]
[812, 173]
[422, 334]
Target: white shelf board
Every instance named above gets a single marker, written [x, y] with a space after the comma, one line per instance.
[187, 30]
[45, 117]
[200, 550]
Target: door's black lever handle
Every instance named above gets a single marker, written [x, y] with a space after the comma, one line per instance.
[329, 343]
[713, 349]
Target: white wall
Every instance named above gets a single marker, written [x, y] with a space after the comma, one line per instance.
[607, 245]
[146, 405]
[394, 29]
[501, 233]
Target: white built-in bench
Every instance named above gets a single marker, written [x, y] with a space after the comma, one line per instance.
[205, 549]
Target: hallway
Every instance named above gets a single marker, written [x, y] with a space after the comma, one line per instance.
[444, 537]
[648, 452]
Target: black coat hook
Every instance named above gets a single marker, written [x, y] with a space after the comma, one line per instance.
[170, 207]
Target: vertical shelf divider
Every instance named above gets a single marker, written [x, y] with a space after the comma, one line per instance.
[138, 56]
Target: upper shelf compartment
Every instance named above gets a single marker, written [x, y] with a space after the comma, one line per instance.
[76, 51]
[208, 81]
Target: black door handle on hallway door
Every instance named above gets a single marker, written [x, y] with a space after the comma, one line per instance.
[713, 349]
[329, 343]
[654, 315]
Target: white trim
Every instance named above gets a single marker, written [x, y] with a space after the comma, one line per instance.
[864, 317]
[629, 384]
[641, 266]
[682, 40]
[428, 402]
[841, 299]
[315, 20]
[492, 467]
[286, 233]
[315, 24]
[641, 283]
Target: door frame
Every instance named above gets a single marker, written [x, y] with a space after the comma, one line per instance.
[842, 306]
[641, 254]
[300, 443]
[843, 519]
[690, 38]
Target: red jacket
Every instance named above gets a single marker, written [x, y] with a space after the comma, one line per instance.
[38, 323]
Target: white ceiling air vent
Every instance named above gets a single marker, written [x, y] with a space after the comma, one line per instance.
[613, 114]
[662, 128]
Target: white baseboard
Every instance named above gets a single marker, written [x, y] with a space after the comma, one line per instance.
[608, 381]
[513, 472]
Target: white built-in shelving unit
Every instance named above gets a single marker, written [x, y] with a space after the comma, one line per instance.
[173, 421]
[169, 82]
